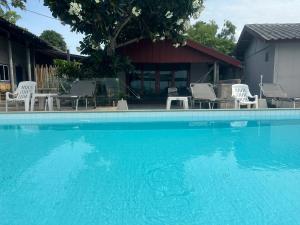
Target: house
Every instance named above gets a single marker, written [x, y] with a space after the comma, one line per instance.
[20, 51]
[271, 50]
[160, 65]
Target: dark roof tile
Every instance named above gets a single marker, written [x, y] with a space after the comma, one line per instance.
[266, 32]
[276, 32]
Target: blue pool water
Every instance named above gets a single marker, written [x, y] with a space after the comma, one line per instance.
[179, 173]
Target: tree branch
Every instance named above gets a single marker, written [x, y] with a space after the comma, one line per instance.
[130, 42]
[120, 28]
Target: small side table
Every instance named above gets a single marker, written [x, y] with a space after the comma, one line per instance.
[185, 101]
[122, 105]
[47, 96]
[295, 101]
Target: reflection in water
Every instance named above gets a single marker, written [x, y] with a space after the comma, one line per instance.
[239, 195]
[239, 124]
[153, 174]
[29, 129]
[46, 183]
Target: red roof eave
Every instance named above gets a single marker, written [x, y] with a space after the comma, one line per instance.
[214, 53]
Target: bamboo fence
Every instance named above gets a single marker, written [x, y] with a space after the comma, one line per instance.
[46, 78]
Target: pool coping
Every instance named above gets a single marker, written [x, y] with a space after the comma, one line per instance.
[20, 118]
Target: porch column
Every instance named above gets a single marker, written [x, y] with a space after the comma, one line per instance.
[34, 65]
[189, 76]
[157, 81]
[28, 62]
[216, 72]
[173, 79]
[11, 64]
[68, 56]
[142, 82]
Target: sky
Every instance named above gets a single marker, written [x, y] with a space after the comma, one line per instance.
[239, 12]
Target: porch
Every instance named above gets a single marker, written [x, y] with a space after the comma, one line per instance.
[160, 66]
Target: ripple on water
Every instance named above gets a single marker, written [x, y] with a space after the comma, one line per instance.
[170, 200]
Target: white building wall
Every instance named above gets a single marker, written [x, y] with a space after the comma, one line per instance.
[256, 64]
[287, 67]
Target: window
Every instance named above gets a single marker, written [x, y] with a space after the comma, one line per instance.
[155, 79]
[267, 57]
[149, 82]
[166, 78]
[181, 78]
[4, 73]
[136, 81]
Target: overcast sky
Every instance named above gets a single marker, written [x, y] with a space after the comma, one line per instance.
[240, 12]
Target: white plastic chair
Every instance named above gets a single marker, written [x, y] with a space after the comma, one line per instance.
[22, 94]
[241, 94]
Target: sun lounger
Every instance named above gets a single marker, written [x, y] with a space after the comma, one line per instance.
[172, 92]
[204, 92]
[276, 92]
[81, 90]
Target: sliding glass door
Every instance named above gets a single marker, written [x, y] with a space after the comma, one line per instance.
[153, 80]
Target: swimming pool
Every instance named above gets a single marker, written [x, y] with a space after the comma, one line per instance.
[169, 169]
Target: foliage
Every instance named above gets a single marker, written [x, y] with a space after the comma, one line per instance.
[7, 13]
[10, 15]
[55, 39]
[67, 70]
[109, 25]
[109, 66]
[14, 3]
[208, 35]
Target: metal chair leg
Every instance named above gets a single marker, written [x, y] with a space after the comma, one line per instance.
[77, 100]
[46, 104]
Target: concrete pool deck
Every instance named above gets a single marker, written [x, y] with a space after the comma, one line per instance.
[132, 107]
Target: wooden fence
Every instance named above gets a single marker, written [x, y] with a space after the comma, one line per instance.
[46, 78]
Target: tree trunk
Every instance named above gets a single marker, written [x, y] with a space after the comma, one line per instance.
[111, 49]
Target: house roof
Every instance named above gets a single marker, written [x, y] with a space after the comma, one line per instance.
[145, 51]
[267, 33]
[24, 36]
[276, 32]
[214, 53]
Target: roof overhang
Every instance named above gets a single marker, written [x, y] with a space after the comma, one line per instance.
[270, 33]
[21, 35]
[145, 51]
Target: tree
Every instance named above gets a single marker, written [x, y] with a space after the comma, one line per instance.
[7, 13]
[208, 34]
[55, 39]
[10, 15]
[109, 25]
[14, 3]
